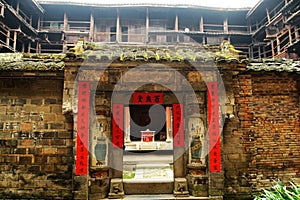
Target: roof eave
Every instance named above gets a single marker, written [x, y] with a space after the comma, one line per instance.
[40, 8]
[252, 10]
[141, 5]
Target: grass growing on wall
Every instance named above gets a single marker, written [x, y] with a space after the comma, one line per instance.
[280, 192]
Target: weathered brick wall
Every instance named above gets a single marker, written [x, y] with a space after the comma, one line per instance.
[261, 141]
[276, 129]
[36, 145]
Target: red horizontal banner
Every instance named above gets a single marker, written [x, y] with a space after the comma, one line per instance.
[117, 125]
[214, 127]
[178, 125]
[82, 140]
[148, 98]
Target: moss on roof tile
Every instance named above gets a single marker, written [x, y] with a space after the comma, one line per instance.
[198, 53]
[225, 53]
[31, 62]
[279, 65]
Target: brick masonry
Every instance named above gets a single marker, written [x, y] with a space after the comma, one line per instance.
[36, 148]
[260, 140]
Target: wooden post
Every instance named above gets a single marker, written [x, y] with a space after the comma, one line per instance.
[250, 26]
[65, 22]
[168, 124]
[127, 125]
[118, 26]
[8, 38]
[268, 15]
[296, 33]
[201, 25]
[18, 7]
[176, 28]
[64, 45]
[273, 48]
[39, 24]
[176, 22]
[225, 25]
[278, 45]
[290, 35]
[15, 40]
[23, 47]
[147, 25]
[29, 46]
[249, 52]
[92, 26]
[264, 52]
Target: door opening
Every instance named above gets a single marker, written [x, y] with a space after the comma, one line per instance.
[148, 156]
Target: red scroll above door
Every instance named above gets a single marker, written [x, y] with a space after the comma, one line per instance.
[147, 98]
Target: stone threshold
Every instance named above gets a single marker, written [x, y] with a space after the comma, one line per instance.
[167, 196]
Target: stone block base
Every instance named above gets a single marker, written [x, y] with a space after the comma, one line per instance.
[180, 188]
[116, 189]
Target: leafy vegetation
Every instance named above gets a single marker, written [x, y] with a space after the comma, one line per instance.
[280, 192]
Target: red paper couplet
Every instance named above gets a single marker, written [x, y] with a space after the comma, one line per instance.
[214, 127]
[82, 140]
[117, 125]
[147, 98]
[178, 125]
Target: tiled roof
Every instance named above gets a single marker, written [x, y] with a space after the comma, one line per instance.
[279, 65]
[197, 53]
[91, 52]
[31, 62]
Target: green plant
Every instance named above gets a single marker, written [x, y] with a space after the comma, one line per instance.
[280, 192]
